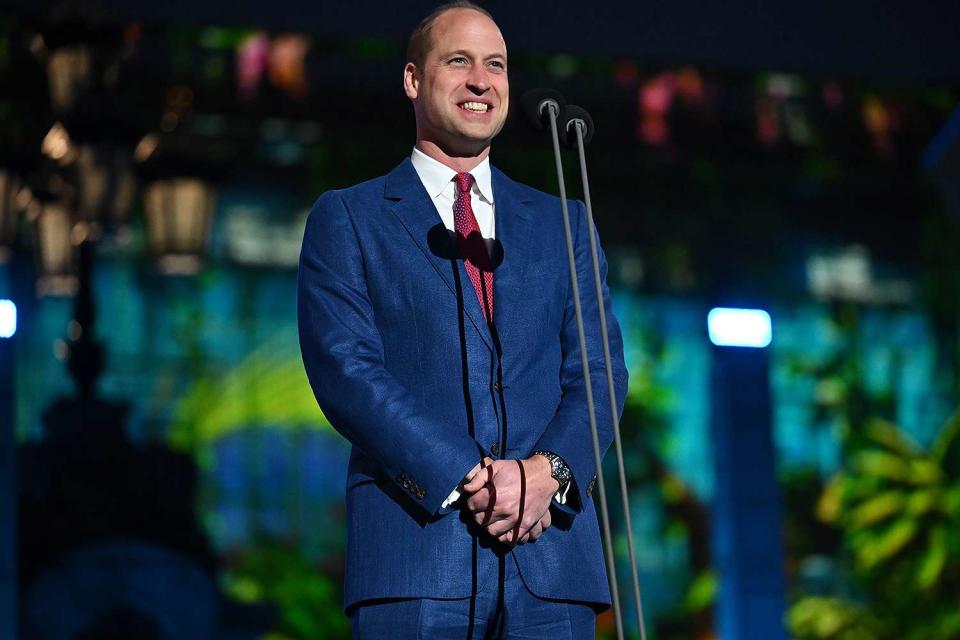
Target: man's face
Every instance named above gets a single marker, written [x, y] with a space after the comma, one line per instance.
[461, 95]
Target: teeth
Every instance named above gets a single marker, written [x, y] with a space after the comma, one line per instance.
[479, 107]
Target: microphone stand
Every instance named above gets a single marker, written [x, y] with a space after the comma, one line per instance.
[553, 108]
[580, 125]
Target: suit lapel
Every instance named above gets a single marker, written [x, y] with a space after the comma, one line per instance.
[409, 201]
[514, 230]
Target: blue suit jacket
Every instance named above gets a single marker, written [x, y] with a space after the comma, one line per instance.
[404, 366]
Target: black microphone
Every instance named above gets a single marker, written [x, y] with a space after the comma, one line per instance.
[572, 114]
[485, 254]
[535, 106]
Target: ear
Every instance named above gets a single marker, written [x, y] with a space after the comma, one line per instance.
[411, 83]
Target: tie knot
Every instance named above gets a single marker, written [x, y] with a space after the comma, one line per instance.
[464, 182]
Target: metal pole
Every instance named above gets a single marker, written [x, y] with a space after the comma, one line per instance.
[614, 418]
[588, 387]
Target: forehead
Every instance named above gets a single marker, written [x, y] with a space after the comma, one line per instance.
[465, 29]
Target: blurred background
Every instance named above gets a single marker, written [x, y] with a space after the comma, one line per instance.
[164, 469]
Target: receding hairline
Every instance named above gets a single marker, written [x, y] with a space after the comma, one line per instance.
[420, 42]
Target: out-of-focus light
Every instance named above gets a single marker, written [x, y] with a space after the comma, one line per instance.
[8, 318]
[729, 327]
[562, 66]
[876, 116]
[626, 74]
[56, 144]
[657, 94]
[690, 85]
[253, 58]
[286, 71]
[56, 239]
[69, 73]
[106, 182]
[145, 148]
[179, 213]
[768, 122]
[9, 212]
[782, 86]
[655, 98]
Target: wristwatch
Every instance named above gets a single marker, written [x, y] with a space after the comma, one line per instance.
[558, 468]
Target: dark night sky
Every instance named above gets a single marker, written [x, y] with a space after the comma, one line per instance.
[917, 40]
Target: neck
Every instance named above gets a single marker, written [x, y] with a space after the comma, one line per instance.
[457, 162]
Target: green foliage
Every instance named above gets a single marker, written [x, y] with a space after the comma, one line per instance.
[268, 387]
[703, 591]
[898, 508]
[308, 598]
[831, 619]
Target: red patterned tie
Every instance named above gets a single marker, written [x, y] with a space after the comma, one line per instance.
[471, 245]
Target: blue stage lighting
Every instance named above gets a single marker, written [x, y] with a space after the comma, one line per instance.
[8, 318]
[739, 327]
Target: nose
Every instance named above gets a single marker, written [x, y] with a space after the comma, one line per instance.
[477, 81]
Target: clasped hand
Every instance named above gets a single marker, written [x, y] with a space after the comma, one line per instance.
[510, 499]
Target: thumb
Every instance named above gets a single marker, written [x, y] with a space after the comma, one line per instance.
[478, 476]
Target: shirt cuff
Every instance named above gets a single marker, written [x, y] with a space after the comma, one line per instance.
[453, 497]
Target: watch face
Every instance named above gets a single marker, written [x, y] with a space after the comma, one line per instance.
[560, 471]
[558, 468]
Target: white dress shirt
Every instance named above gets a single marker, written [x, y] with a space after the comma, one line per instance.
[437, 179]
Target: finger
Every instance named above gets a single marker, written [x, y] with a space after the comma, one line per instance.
[484, 501]
[546, 520]
[510, 538]
[534, 533]
[480, 501]
[487, 518]
[513, 536]
[473, 485]
[478, 480]
[499, 527]
[480, 466]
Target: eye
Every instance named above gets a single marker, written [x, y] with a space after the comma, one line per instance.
[497, 64]
[458, 60]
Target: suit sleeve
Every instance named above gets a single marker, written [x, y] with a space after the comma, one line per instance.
[568, 433]
[343, 357]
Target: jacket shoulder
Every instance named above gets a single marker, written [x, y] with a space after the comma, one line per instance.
[372, 188]
[538, 196]
[541, 200]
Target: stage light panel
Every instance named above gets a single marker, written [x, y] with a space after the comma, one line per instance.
[729, 327]
[8, 318]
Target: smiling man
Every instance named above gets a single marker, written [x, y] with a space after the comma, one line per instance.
[437, 329]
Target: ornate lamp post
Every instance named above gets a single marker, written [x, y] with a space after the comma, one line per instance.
[86, 184]
[69, 74]
[8, 546]
[55, 244]
[9, 211]
[106, 184]
[179, 213]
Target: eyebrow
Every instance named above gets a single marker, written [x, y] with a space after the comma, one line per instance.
[464, 52]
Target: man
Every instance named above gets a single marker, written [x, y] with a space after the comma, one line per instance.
[451, 362]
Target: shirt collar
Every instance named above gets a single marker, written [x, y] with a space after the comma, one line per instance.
[436, 176]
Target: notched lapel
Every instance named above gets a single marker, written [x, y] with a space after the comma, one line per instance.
[406, 198]
[514, 229]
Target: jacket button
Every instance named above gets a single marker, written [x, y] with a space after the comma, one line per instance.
[591, 484]
[498, 387]
[495, 448]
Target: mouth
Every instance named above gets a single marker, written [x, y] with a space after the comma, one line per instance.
[474, 106]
